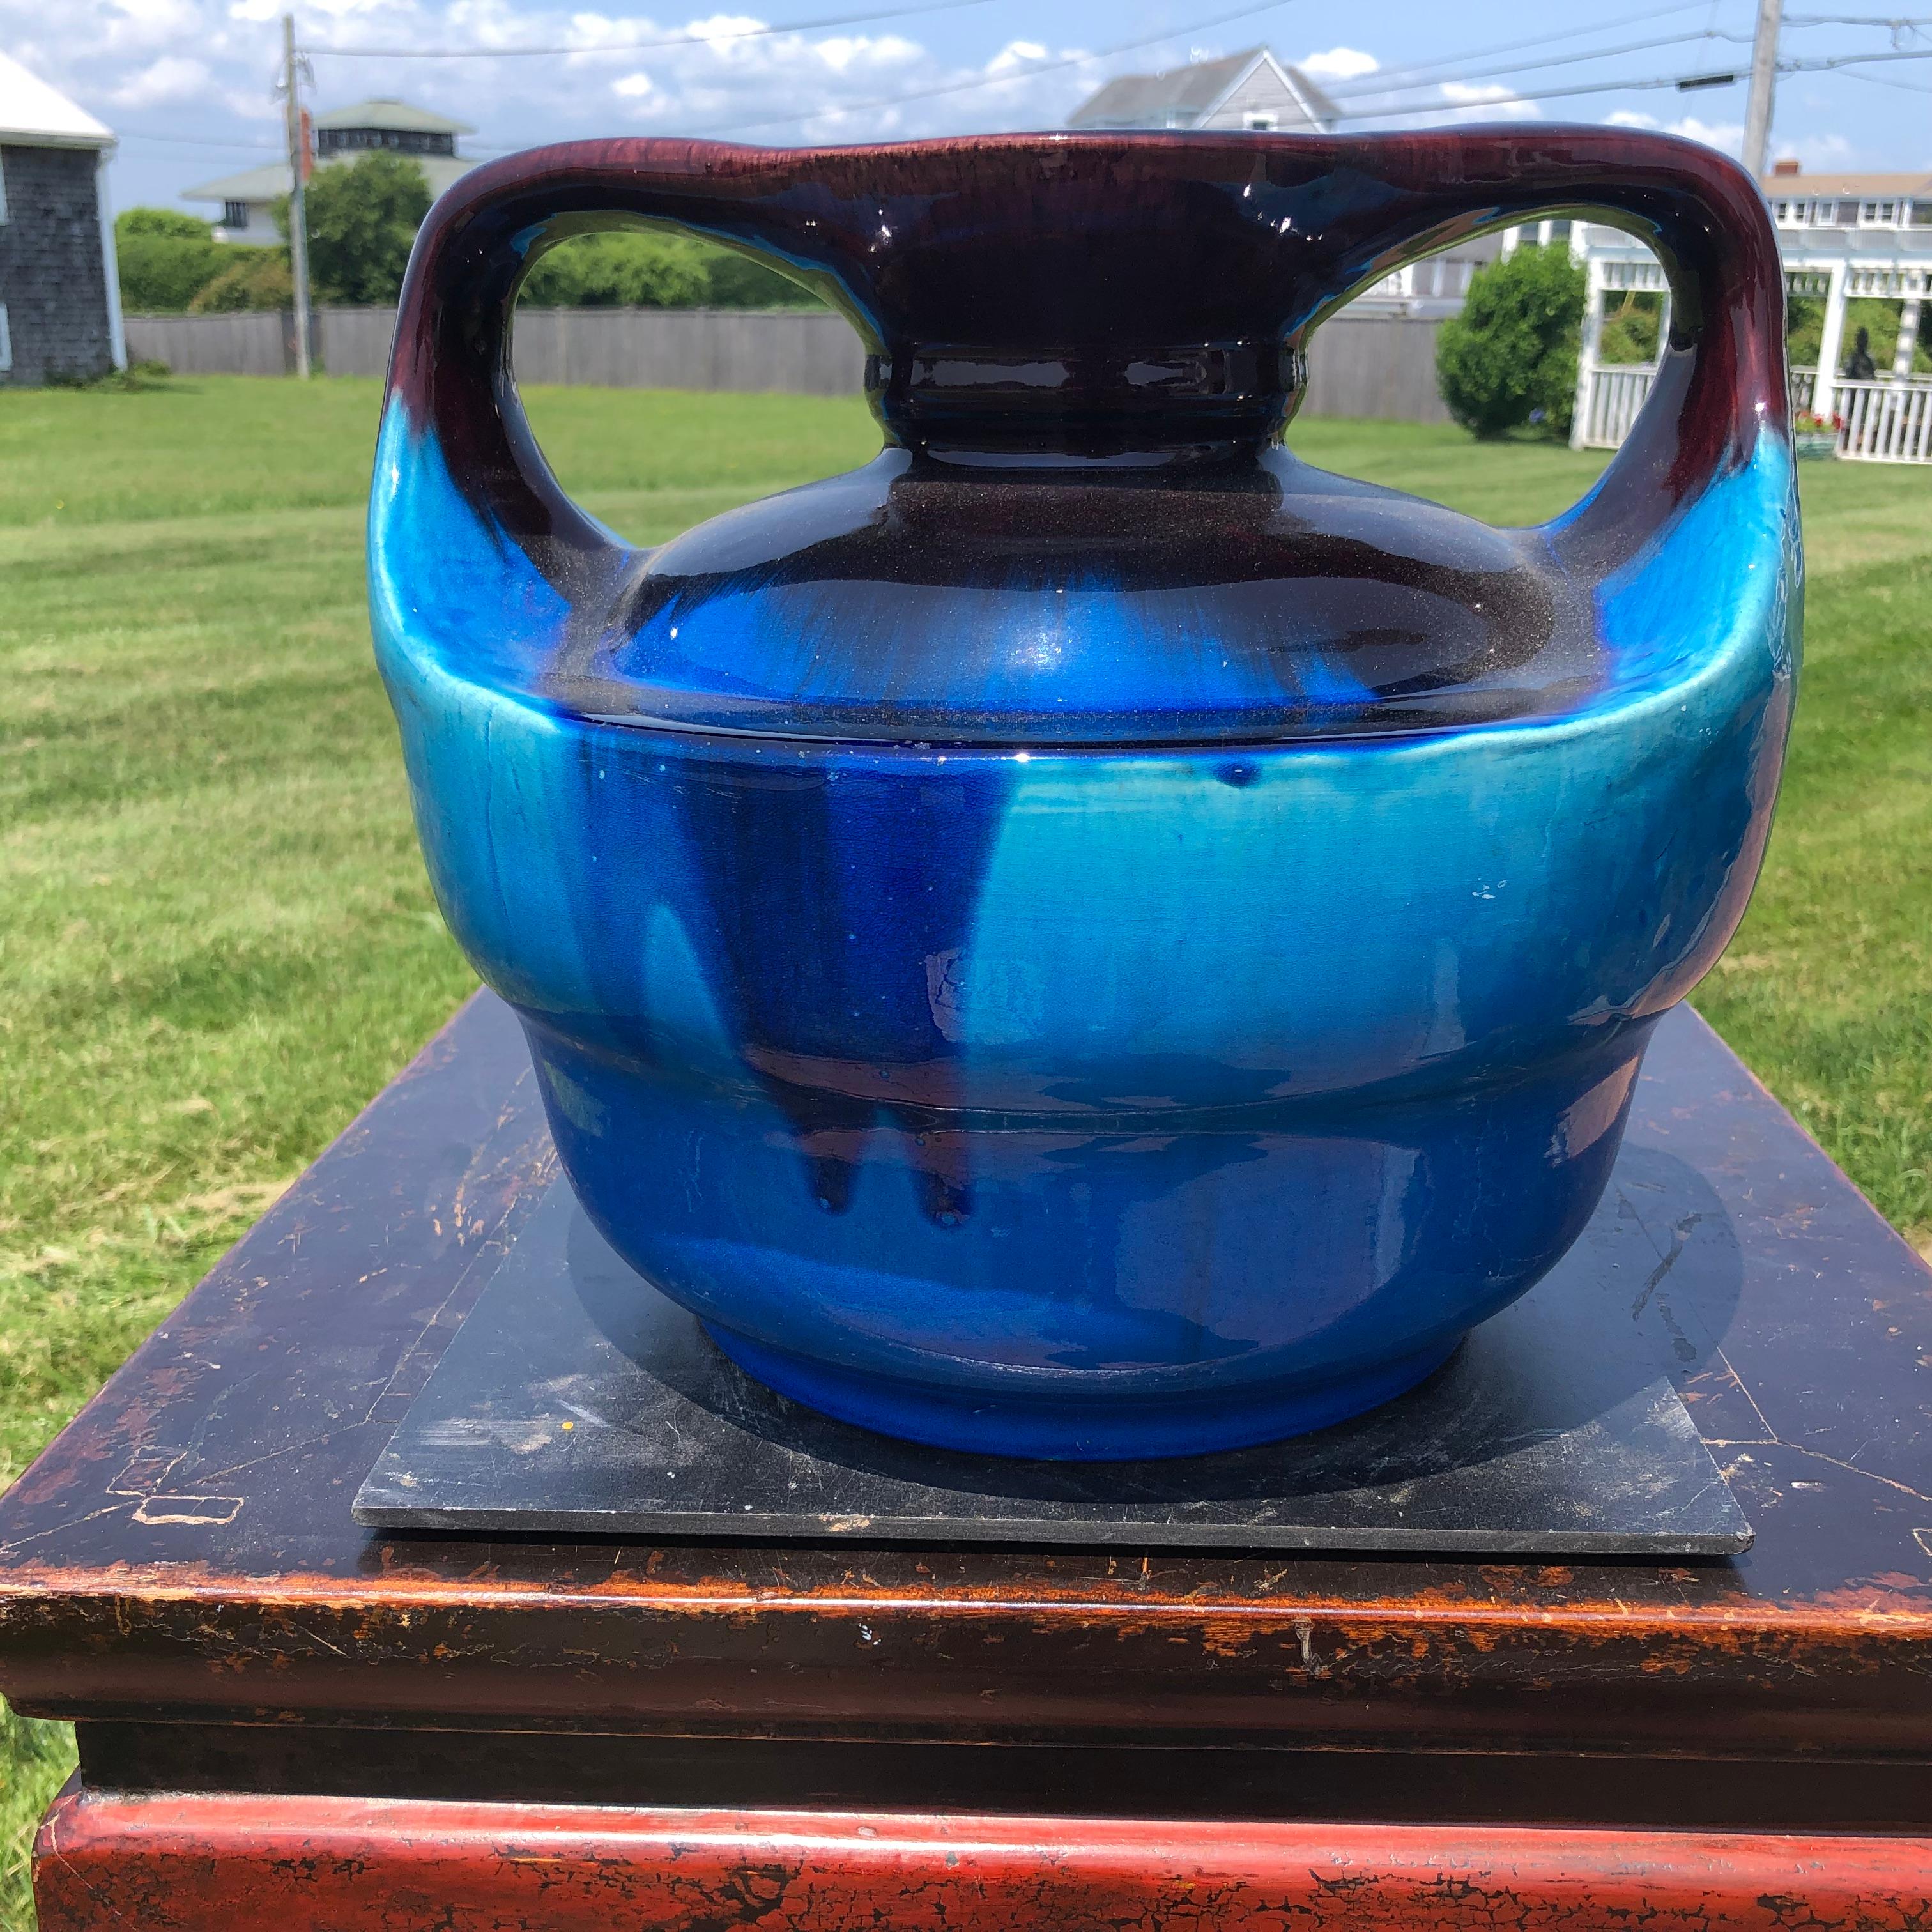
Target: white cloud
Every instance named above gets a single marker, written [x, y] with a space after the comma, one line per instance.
[1821, 153]
[1339, 64]
[1726, 136]
[168, 79]
[1485, 100]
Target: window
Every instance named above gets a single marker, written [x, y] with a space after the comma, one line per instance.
[6, 341]
[1879, 214]
[235, 214]
[3, 185]
[332, 141]
[1263, 124]
[1921, 214]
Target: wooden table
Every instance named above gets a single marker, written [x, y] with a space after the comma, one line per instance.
[286, 1720]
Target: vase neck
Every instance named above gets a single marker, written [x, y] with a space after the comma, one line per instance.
[1132, 404]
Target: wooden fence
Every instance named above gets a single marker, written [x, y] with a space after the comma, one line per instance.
[1360, 364]
[258, 342]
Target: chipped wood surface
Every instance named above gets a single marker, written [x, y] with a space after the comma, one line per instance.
[221, 1864]
[185, 1550]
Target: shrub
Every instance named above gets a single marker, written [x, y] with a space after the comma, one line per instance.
[1510, 356]
[739, 281]
[624, 270]
[1629, 330]
[254, 278]
[1804, 330]
[634, 268]
[165, 259]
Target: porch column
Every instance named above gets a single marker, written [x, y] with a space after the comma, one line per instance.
[1908, 336]
[1589, 349]
[1824, 397]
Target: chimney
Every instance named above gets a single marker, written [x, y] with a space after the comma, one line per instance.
[1788, 166]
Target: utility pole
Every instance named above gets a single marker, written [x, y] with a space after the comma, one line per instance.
[297, 213]
[1763, 87]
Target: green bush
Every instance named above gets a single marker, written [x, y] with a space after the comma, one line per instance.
[647, 269]
[737, 281]
[362, 218]
[1509, 359]
[254, 278]
[1804, 330]
[1629, 330]
[625, 270]
[166, 259]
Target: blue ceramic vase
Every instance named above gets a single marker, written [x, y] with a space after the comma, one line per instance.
[1087, 937]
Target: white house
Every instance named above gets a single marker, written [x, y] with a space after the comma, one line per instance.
[393, 126]
[1252, 91]
[1841, 236]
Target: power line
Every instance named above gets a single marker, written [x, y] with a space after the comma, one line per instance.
[1635, 85]
[198, 141]
[991, 79]
[1886, 80]
[642, 46]
[1827, 66]
[1527, 67]
[1449, 67]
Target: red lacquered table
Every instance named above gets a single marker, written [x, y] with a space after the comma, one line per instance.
[287, 1719]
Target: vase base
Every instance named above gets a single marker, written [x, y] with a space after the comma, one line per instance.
[1130, 1430]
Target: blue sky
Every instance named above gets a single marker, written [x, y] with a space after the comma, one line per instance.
[187, 83]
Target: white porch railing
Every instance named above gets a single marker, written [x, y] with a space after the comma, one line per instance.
[1887, 422]
[1616, 391]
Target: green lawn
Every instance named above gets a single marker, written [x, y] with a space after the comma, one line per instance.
[215, 939]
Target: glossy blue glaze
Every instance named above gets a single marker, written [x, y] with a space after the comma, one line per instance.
[1049, 996]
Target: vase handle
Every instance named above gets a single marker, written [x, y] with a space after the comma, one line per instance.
[1721, 381]
[450, 366]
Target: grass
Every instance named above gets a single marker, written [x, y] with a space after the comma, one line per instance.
[215, 938]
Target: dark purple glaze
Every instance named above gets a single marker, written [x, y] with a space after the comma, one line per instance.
[1128, 296]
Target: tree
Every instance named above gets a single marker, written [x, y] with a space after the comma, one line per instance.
[165, 259]
[1511, 357]
[363, 216]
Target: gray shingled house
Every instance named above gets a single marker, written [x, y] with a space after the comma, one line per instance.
[1251, 90]
[60, 293]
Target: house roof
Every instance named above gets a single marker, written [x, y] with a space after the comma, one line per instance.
[396, 116]
[1150, 98]
[267, 183]
[1182, 95]
[1860, 186]
[34, 115]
